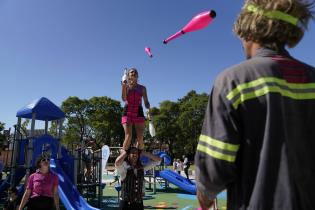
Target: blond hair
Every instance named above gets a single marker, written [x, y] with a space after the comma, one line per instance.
[272, 32]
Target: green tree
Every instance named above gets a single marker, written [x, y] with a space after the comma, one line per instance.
[178, 124]
[98, 118]
[76, 111]
[53, 129]
[24, 131]
[192, 110]
[167, 129]
[104, 119]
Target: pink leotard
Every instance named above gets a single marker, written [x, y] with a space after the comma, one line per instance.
[133, 111]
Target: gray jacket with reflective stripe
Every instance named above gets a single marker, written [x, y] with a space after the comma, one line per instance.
[258, 136]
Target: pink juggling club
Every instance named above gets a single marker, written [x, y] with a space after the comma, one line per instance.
[198, 22]
[148, 51]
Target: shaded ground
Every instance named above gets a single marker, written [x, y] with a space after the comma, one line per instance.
[170, 198]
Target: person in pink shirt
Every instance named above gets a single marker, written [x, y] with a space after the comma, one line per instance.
[132, 94]
[42, 188]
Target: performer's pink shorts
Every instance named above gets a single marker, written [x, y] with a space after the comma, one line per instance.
[132, 120]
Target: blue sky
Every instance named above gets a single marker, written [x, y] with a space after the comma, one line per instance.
[62, 48]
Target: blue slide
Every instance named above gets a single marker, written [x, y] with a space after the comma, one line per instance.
[178, 180]
[68, 193]
[167, 159]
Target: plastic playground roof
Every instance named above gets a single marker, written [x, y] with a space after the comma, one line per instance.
[44, 109]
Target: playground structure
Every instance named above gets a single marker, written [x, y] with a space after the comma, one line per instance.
[63, 163]
[74, 193]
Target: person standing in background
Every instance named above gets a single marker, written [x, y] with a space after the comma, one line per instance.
[186, 166]
[175, 165]
[179, 166]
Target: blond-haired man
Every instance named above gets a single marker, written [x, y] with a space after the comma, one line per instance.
[258, 140]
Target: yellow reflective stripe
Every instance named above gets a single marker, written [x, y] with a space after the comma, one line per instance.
[272, 89]
[263, 80]
[266, 89]
[215, 154]
[244, 86]
[219, 144]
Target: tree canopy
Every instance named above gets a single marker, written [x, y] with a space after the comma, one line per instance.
[178, 123]
[97, 118]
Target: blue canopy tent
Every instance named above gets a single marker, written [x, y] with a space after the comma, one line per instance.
[44, 109]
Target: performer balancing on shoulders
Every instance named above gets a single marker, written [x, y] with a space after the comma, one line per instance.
[132, 94]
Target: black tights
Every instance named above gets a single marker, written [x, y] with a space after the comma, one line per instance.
[41, 203]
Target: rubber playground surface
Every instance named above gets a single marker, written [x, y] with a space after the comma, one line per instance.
[170, 198]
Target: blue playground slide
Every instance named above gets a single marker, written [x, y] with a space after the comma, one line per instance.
[68, 193]
[167, 159]
[178, 180]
